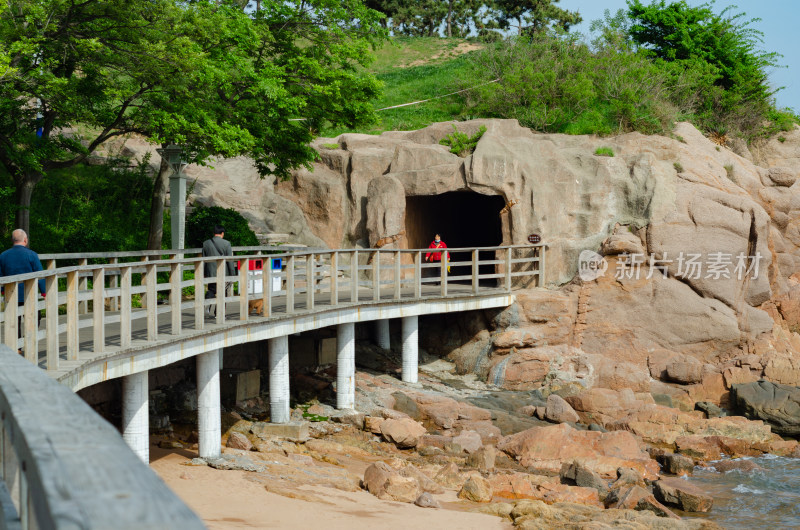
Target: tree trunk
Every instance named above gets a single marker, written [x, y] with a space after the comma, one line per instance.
[157, 207]
[24, 185]
[449, 19]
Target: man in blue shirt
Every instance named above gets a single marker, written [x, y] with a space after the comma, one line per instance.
[19, 259]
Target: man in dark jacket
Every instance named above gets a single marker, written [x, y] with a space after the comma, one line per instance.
[19, 259]
[217, 246]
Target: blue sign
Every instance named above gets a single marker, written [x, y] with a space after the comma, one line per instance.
[277, 264]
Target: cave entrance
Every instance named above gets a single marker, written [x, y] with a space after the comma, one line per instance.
[463, 218]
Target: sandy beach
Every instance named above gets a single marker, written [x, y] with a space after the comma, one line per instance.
[231, 499]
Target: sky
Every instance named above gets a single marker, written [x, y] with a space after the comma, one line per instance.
[780, 23]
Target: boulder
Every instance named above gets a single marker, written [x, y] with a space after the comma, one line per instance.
[450, 477]
[603, 406]
[739, 464]
[404, 432]
[685, 372]
[580, 475]
[469, 441]
[476, 489]
[548, 489]
[237, 440]
[559, 411]
[676, 464]
[637, 498]
[426, 500]
[483, 459]
[778, 405]
[545, 449]
[386, 483]
[678, 492]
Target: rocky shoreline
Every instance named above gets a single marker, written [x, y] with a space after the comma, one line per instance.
[598, 458]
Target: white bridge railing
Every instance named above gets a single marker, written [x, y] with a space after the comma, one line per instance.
[102, 308]
[63, 466]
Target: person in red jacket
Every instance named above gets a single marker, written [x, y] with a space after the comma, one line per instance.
[436, 257]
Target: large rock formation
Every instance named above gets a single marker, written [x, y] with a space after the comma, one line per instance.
[682, 202]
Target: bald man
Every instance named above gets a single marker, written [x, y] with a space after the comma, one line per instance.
[19, 259]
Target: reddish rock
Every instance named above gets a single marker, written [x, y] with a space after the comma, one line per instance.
[545, 449]
[404, 433]
[386, 483]
[685, 372]
[450, 477]
[714, 447]
[537, 487]
[678, 492]
[559, 411]
[237, 440]
[469, 441]
[677, 464]
[638, 498]
[373, 424]
[745, 466]
[603, 406]
[476, 489]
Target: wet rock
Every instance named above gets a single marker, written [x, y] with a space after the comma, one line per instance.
[745, 466]
[678, 492]
[638, 498]
[676, 464]
[483, 459]
[237, 440]
[778, 405]
[426, 500]
[715, 447]
[404, 433]
[476, 489]
[578, 474]
[559, 411]
[386, 483]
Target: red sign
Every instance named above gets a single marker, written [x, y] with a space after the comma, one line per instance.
[253, 264]
[534, 238]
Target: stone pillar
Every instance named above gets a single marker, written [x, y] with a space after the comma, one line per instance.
[209, 417]
[410, 348]
[345, 366]
[177, 208]
[279, 380]
[135, 414]
[382, 333]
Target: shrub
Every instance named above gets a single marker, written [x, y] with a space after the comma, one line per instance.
[200, 226]
[330, 146]
[678, 167]
[604, 151]
[461, 144]
[730, 173]
[781, 139]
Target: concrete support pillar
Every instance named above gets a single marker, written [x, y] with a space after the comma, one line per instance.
[410, 348]
[279, 380]
[135, 414]
[382, 333]
[209, 417]
[346, 366]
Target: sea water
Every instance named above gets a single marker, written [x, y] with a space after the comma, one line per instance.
[755, 499]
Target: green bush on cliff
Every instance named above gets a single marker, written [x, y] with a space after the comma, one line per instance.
[201, 222]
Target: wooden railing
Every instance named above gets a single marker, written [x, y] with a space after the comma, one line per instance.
[63, 466]
[112, 305]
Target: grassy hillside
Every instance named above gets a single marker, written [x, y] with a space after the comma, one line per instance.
[413, 69]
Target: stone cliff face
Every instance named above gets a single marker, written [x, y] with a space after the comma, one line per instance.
[669, 198]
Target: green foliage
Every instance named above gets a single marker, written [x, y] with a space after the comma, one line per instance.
[529, 16]
[460, 144]
[722, 50]
[604, 151]
[729, 171]
[331, 146]
[201, 222]
[556, 83]
[781, 139]
[88, 208]
[205, 74]
[678, 167]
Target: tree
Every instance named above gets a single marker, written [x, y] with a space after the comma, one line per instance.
[203, 74]
[534, 15]
[723, 46]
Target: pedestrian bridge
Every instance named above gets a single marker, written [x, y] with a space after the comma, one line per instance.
[119, 315]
